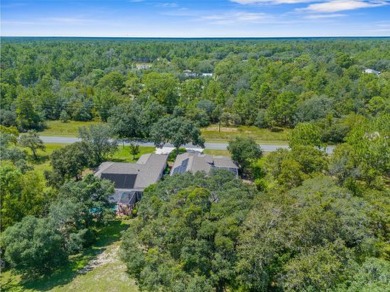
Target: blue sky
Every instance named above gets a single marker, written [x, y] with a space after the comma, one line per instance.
[202, 18]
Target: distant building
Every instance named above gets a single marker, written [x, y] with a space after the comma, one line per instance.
[371, 71]
[194, 162]
[143, 66]
[189, 73]
[130, 179]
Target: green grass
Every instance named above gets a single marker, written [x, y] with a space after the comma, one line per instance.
[265, 136]
[108, 276]
[69, 129]
[211, 133]
[217, 152]
[123, 153]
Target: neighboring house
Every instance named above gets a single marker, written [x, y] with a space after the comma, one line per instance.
[189, 73]
[130, 179]
[206, 74]
[194, 162]
[372, 71]
[143, 66]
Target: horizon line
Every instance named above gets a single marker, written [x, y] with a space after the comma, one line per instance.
[194, 37]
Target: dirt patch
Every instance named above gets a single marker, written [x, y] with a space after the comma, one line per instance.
[110, 255]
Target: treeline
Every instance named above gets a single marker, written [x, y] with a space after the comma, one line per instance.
[267, 83]
[309, 223]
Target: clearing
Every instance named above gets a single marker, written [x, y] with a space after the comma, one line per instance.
[68, 129]
[263, 136]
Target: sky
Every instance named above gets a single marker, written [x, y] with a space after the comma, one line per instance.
[190, 18]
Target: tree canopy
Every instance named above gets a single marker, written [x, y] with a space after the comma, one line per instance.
[177, 130]
[186, 235]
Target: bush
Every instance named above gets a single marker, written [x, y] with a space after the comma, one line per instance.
[172, 156]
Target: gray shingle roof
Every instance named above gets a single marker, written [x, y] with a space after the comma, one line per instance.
[151, 170]
[148, 170]
[194, 162]
[223, 162]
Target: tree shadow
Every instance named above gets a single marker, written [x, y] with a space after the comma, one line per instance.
[40, 159]
[105, 237]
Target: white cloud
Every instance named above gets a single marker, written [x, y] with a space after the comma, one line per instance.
[67, 20]
[319, 16]
[342, 5]
[168, 5]
[247, 2]
[236, 17]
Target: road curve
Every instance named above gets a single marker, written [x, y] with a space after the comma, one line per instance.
[211, 146]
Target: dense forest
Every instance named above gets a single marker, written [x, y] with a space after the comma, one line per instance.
[267, 83]
[296, 219]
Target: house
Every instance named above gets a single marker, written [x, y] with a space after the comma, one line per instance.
[143, 66]
[206, 74]
[189, 74]
[130, 179]
[195, 161]
[371, 71]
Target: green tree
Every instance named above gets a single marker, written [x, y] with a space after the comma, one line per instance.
[34, 247]
[98, 139]
[305, 134]
[8, 149]
[303, 239]
[365, 158]
[176, 130]
[104, 101]
[64, 117]
[282, 109]
[113, 80]
[372, 275]
[69, 162]
[244, 151]
[81, 205]
[134, 150]
[21, 194]
[125, 121]
[26, 116]
[162, 87]
[32, 141]
[186, 234]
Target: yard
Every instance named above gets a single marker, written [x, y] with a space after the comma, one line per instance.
[104, 270]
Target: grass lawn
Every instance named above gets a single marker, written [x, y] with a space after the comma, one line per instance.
[217, 152]
[123, 153]
[108, 274]
[265, 136]
[69, 129]
[43, 161]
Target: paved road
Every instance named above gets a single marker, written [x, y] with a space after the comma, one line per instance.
[212, 146]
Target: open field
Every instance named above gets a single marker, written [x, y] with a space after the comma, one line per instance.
[264, 136]
[107, 272]
[69, 129]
